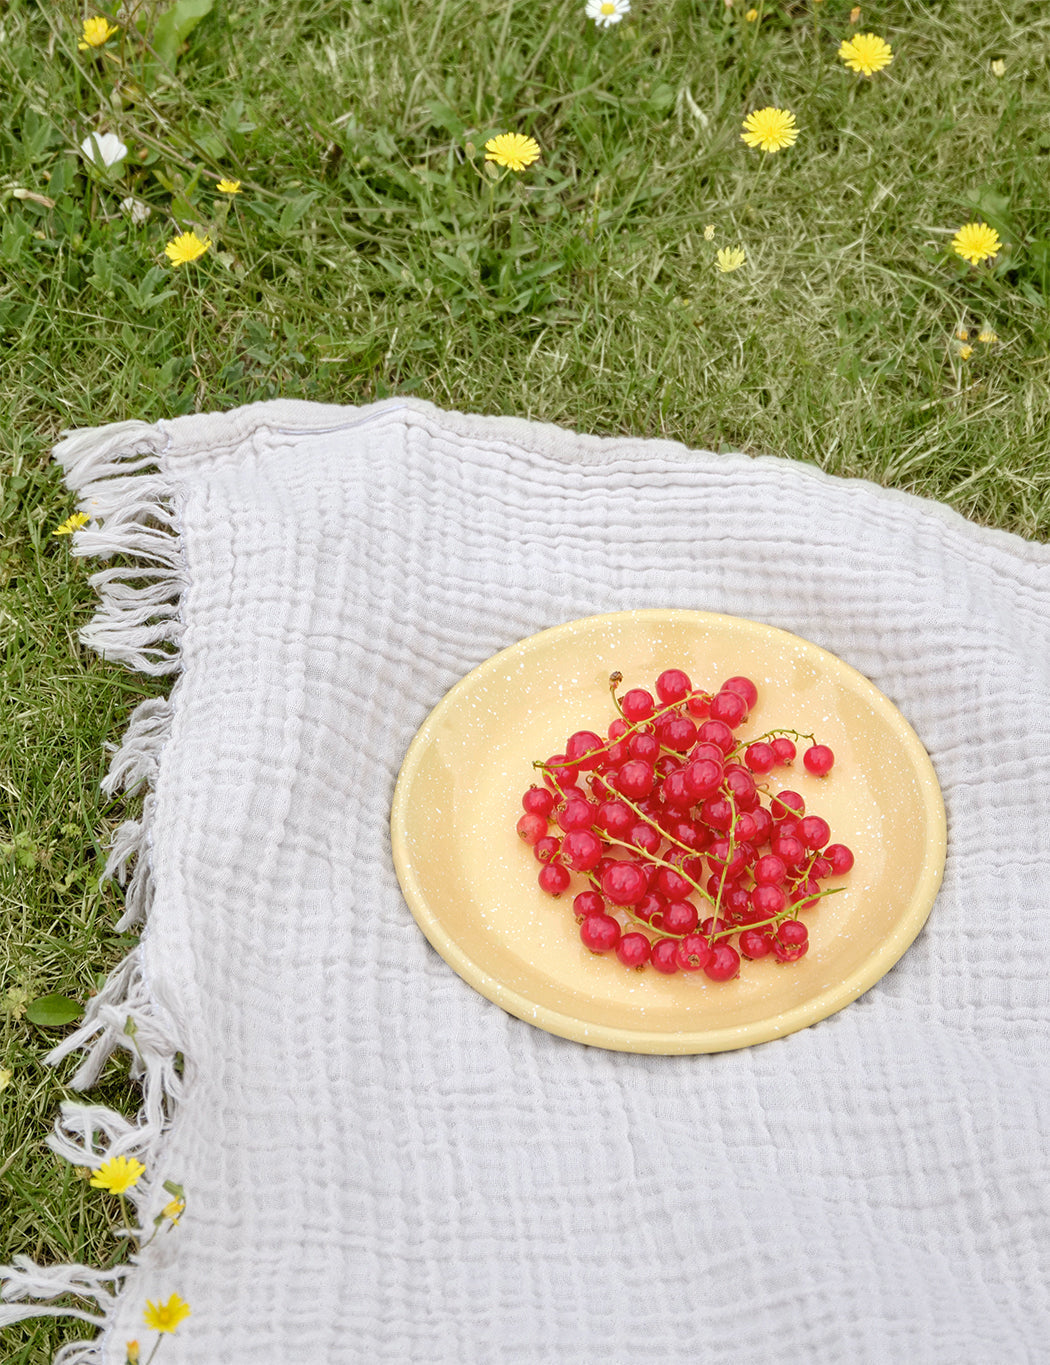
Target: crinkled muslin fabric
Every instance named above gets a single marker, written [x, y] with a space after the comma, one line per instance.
[381, 1165]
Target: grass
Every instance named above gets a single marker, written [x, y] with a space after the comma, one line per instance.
[369, 254]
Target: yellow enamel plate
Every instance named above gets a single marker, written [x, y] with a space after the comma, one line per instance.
[472, 884]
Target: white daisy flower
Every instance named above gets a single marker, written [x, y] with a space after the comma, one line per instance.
[606, 12]
[136, 210]
[104, 149]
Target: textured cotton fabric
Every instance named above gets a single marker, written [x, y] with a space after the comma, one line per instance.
[381, 1165]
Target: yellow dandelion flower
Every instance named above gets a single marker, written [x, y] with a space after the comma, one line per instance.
[5, 1077]
[513, 150]
[229, 187]
[165, 1317]
[751, 15]
[131, 1353]
[186, 247]
[71, 524]
[117, 1174]
[965, 352]
[987, 336]
[96, 32]
[866, 53]
[963, 333]
[730, 258]
[709, 232]
[976, 242]
[174, 1210]
[998, 67]
[770, 129]
[854, 15]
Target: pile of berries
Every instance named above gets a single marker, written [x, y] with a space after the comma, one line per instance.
[680, 849]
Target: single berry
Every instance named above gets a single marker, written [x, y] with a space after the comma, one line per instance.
[763, 825]
[768, 900]
[804, 897]
[691, 833]
[644, 746]
[531, 828]
[784, 749]
[677, 733]
[671, 884]
[600, 933]
[840, 858]
[820, 868]
[790, 849]
[742, 785]
[760, 757]
[745, 687]
[554, 879]
[717, 812]
[581, 747]
[702, 777]
[680, 917]
[581, 850]
[725, 964]
[538, 801]
[785, 804]
[705, 749]
[615, 818]
[770, 870]
[818, 760]
[791, 941]
[575, 813]
[644, 836]
[633, 950]
[755, 942]
[667, 763]
[651, 908]
[717, 732]
[814, 832]
[637, 705]
[635, 780]
[699, 705]
[694, 953]
[675, 792]
[673, 685]
[624, 883]
[664, 956]
[543, 850]
[729, 707]
[588, 903]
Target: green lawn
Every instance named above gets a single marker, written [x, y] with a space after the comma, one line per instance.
[368, 253]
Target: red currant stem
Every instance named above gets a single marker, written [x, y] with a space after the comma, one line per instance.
[615, 679]
[725, 866]
[787, 913]
[649, 821]
[652, 858]
[759, 739]
[648, 720]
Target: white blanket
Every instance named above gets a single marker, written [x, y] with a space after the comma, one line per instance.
[381, 1165]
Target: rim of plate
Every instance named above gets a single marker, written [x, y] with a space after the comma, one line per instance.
[827, 1002]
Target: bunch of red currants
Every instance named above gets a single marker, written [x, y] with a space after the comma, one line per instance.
[665, 815]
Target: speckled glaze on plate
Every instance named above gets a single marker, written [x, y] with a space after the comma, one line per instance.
[471, 883]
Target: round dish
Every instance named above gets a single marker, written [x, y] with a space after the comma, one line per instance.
[471, 883]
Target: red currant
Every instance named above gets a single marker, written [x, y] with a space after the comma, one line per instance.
[788, 943]
[784, 749]
[760, 757]
[576, 813]
[636, 779]
[538, 801]
[680, 917]
[532, 828]
[580, 749]
[673, 685]
[600, 933]
[840, 858]
[678, 733]
[694, 953]
[645, 837]
[675, 790]
[724, 964]
[588, 903]
[651, 908]
[624, 883]
[581, 850]
[814, 832]
[745, 687]
[543, 850]
[790, 849]
[768, 900]
[702, 777]
[756, 942]
[699, 705]
[557, 776]
[717, 812]
[729, 707]
[644, 746]
[770, 870]
[554, 879]
[717, 732]
[633, 950]
[615, 818]
[637, 705]
[671, 884]
[818, 760]
[664, 956]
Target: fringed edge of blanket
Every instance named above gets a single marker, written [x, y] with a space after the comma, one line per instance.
[132, 514]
